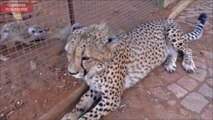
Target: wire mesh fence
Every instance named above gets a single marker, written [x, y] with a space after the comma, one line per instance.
[118, 14]
[42, 65]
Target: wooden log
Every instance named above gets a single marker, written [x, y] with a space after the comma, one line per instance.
[179, 8]
[66, 104]
[168, 2]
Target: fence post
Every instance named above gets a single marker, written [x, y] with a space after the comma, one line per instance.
[71, 11]
[160, 4]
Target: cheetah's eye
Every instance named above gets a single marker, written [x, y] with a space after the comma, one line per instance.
[85, 58]
[33, 31]
[109, 40]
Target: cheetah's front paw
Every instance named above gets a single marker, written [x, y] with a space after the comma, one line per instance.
[189, 66]
[171, 68]
[70, 116]
[170, 65]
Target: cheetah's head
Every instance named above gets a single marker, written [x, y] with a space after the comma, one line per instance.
[90, 43]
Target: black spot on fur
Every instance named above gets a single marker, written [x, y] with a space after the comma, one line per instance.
[107, 110]
[101, 104]
[173, 40]
[105, 79]
[107, 103]
[168, 29]
[105, 97]
[95, 98]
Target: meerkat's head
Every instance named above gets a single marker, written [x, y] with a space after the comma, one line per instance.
[4, 33]
[36, 31]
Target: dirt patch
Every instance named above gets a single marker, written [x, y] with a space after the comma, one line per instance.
[34, 85]
[35, 78]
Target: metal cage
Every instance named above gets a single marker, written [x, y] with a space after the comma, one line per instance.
[34, 79]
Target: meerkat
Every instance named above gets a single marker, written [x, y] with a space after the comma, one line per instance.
[19, 32]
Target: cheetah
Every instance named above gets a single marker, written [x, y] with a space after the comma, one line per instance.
[122, 60]
[19, 32]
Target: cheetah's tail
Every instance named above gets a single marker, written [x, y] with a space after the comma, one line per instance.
[198, 30]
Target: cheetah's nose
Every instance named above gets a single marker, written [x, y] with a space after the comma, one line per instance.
[73, 73]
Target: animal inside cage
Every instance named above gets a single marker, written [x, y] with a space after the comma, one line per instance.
[33, 64]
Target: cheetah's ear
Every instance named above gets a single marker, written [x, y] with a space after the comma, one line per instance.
[67, 31]
[76, 26]
[102, 26]
[111, 40]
